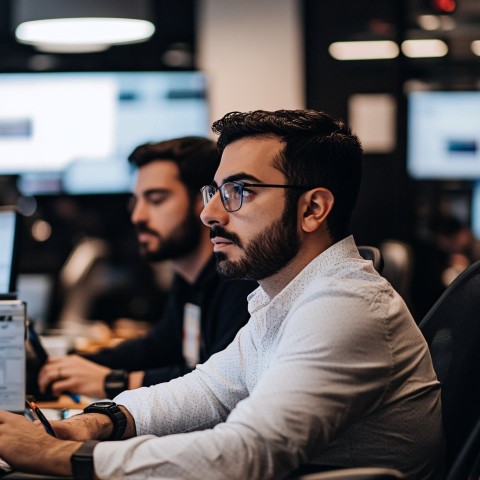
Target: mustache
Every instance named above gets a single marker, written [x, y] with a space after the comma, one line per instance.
[218, 231]
[143, 228]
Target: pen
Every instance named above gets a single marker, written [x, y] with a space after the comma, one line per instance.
[36, 412]
[75, 397]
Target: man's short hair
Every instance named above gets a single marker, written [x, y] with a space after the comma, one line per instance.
[197, 159]
[319, 150]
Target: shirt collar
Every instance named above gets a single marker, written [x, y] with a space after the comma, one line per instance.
[206, 276]
[319, 267]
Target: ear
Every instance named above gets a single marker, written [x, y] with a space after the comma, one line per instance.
[315, 206]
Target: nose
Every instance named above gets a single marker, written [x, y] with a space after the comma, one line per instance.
[139, 212]
[213, 212]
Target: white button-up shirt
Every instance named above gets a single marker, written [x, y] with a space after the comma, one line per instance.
[332, 370]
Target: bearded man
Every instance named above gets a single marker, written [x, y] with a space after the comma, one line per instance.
[203, 312]
[331, 369]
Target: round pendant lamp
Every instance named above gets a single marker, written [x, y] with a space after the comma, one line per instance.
[78, 26]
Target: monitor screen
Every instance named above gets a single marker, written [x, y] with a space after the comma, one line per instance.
[72, 132]
[8, 220]
[443, 135]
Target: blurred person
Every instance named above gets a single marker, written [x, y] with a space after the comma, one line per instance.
[203, 312]
[330, 369]
[457, 242]
[449, 249]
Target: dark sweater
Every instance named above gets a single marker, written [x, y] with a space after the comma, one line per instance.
[224, 311]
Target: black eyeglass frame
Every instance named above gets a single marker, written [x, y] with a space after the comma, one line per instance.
[242, 185]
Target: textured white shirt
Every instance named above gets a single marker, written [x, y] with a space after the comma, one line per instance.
[332, 370]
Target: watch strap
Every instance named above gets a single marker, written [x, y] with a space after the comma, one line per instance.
[82, 461]
[111, 409]
[115, 383]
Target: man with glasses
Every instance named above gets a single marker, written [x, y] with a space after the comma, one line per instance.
[203, 312]
[330, 370]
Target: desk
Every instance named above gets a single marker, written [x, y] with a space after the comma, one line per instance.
[31, 476]
[64, 402]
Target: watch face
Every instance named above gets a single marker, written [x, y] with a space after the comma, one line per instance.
[103, 404]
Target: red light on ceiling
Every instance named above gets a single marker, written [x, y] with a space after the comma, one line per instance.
[444, 6]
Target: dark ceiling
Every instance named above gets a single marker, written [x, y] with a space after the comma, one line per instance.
[458, 29]
[171, 47]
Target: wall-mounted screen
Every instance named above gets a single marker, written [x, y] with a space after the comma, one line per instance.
[72, 132]
[444, 135]
[8, 239]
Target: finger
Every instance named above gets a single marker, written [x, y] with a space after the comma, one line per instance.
[49, 375]
[61, 386]
[53, 362]
[44, 379]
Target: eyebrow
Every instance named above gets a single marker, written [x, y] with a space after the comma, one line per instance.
[237, 177]
[153, 191]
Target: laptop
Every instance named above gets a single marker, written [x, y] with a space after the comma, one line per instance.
[8, 250]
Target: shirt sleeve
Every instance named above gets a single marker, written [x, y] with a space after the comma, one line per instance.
[310, 391]
[157, 349]
[159, 354]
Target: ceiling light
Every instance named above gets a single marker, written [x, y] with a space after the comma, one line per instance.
[475, 46]
[364, 50]
[436, 22]
[424, 48]
[429, 22]
[83, 34]
[448, 23]
[80, 25]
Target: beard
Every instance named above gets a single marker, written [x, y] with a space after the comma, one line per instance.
[183, 240]
[265, 255]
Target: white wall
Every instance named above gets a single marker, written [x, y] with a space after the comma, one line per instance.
[252, 51]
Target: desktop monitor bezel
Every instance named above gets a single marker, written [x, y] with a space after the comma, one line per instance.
[12, 281]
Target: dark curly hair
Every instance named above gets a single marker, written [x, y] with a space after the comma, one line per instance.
[197, 159]
[319, 150]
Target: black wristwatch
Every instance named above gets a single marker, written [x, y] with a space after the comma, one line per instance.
[115, 383]
[82, 461]
[110, 409]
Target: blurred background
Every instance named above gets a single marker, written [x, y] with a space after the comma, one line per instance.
[404, 74]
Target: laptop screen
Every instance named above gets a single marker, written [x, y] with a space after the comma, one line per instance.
[8, 223]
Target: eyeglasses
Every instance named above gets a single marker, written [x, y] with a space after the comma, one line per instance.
[233, 193]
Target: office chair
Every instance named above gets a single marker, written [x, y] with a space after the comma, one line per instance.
[372, 253]
[475, 473]
[452, 331]
[469, 455]
[355, 474]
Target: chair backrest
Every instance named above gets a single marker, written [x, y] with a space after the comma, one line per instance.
[367, 473]
[398, 266]
[467, 463]
[474, 473]
[452, 331]
[372, 253]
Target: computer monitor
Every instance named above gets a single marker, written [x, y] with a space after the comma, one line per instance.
[443, 135]
[8, 248]
[72, 132]
[475, 211]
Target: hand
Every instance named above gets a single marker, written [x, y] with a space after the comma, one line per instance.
[73, 374]
[135, 380]
[28, 448]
